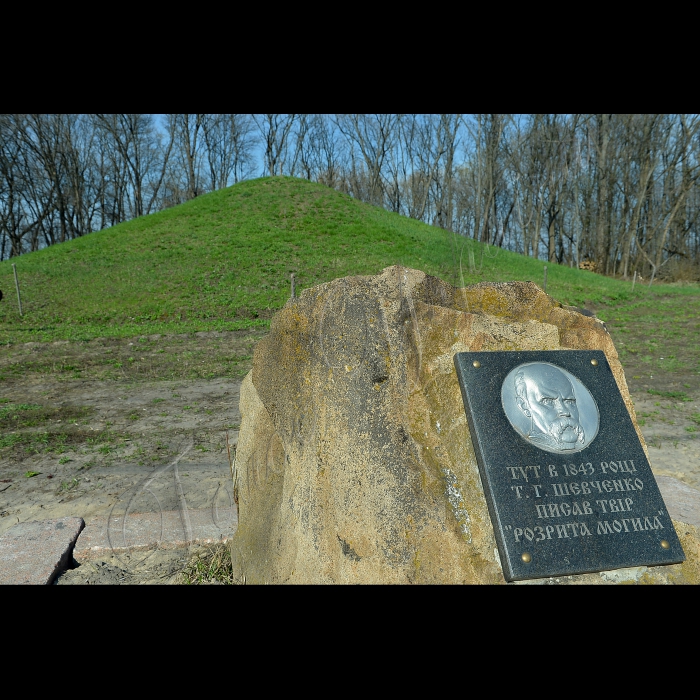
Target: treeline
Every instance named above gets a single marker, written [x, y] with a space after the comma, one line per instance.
[617, 192]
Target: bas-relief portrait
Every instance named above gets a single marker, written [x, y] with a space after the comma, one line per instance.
[550, 408]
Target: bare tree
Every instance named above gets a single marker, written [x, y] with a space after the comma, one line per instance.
[138, 154]
[186, 132]
[369, 138]
[328, 152]
[48, 173]
[229, 143]
[484, 160]
[26, 198]
[681, 176]
[275, 130]
[637, 175]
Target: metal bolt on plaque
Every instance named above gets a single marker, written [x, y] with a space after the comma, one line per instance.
[567, 483]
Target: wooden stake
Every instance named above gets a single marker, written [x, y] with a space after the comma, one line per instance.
[545, 278]
[19, 298]
[294, 292]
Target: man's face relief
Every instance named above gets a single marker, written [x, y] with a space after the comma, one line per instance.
[551, 403]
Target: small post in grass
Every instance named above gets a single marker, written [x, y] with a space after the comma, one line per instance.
[294, 291]
[545, 278]
[19, 298]
[634, 279]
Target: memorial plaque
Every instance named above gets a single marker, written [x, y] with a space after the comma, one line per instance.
[568, 486]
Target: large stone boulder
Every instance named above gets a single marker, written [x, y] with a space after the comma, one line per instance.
[354, 461]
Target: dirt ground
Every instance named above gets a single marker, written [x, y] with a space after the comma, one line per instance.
[155, 567]
[123, 439]
[81, 424]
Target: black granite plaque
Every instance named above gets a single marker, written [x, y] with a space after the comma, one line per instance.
[568, 486]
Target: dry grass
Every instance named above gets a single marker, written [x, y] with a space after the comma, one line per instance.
[211, 565]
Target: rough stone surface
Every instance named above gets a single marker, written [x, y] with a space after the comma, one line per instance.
[170, 529]
[36, 552]
[354, 461]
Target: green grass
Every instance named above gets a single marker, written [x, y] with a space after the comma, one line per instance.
[16, 416]
[678, 395]
[223, 262]
[14, 410]
[656, 336]
[10, 440]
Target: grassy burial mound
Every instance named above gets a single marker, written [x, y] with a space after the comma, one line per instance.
[223, 262]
